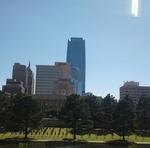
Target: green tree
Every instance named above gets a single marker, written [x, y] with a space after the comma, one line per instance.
[25, 115]
[76, 114]
[143, 114]
[5, 103]
[124, 117]
[94, 104]
[85, 120]
[108, 106]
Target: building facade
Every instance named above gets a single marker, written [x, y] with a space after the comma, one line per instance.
[46, 76]
[50, 102]
[75, 78]
[63, 87]
[13, 87]
[66, 69]
[76, 58]
[19, 73]
[30, 81]
[54, 79]
[134, 91]
[25, 75]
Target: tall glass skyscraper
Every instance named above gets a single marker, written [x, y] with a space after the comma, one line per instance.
[76, 57]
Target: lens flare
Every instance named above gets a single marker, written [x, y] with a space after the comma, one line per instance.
[135, 8]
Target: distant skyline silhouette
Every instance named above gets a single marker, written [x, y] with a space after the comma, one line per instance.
[117, 44]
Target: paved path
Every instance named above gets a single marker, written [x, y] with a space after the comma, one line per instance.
[50, 140]
[84, 141]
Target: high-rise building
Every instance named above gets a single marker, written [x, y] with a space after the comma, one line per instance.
[134, 91]
[66, 68]
[25, 75]
[75, 78]
[20, 73]
[64, 86]
[30, 81]
[46, 76]
[76, 57]
[54, 79]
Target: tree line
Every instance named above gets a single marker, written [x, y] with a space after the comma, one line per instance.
[84, 114]
[19, 114]
[110, 116]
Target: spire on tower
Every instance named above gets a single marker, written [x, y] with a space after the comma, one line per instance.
[29, 65]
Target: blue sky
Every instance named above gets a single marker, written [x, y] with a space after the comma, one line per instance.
[117, 44]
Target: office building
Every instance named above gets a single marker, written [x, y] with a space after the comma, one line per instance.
[76, 57]
[66, 69]
[30, 81]
[63, 87]
[54, 79]
[50, 103]
[25, 75]
[13, 87]
[75, 78]
[20, 73]
[46, 76]
[134, 91]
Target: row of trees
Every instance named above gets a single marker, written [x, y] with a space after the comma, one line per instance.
[81, 113]
[122, 117]
[19, 114]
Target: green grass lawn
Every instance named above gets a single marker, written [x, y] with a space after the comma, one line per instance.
[63, 133]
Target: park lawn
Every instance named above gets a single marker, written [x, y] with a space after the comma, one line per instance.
[63, 133]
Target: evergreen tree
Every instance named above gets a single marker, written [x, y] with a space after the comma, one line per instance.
[143, 114]
[94, 104]
[5, 103]
[85, 115]
[108, 106]
[76, 114]
[124, 117]
[25, 115]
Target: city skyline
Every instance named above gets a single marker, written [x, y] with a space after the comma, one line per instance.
[117, 45]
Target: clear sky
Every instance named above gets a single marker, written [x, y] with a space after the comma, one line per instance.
[117, 44]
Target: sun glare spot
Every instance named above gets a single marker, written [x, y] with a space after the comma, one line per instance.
[135, 8]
